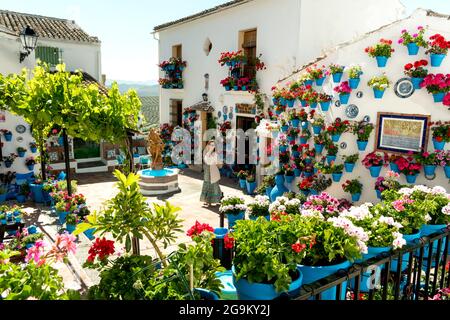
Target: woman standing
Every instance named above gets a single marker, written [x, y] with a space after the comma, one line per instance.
[211, 192]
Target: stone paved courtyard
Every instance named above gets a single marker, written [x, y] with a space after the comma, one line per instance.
[99, 187]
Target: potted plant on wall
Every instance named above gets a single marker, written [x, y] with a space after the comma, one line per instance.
[319, 142]
[416, 72]
[354, 76]
[317, 121]
[337, 128]
[344, 91]
[438, 48]
[318, 74]
[350, 162]
[7, 134]
[379, 85]
[362, 130]
[319, 184]
[234, 207]
[413, 41]
[21, 152]
[354, 187]
[324, 101]
[336, 71]
[9, 160]
[227, 83]
[30, 162]
[443, 158]
[332, 150]
[409, 168]
[389, 182]
[33, 147]
[428, 161]
[382, 51]
[437, 84]
[374, 162]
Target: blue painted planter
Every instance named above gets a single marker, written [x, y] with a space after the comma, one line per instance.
[242, 183]
[251, 186]
[305, 192]
[308, 82]
[307, 174]
[268, 191]
[378, 93]
[343, 98]
[349, 167]
[305, 125]
[447, 171]
[413, 49]
[416, 83]
[337, 177]
[261, 291]
[331, 159]
[411, 178]
[21, 154]
[314, 192]
[236, 88]
[90, 233]
[320, 81]
[3, 221]
[290, 103]
[289, 179]
[317, 130]
[381, 61]
[244, 88]
[429, 170]
[303, 140]
[375, 171]
[295, 123]
[279, 189]
[313, 105]
[282, 101]
[46, 196]
[356, 197]
[367, 282]
[277, 112]
[283, 148]
[296, 154]
[8, 137]
[438, 97]
[337, 77]
[21, 198]
[279, 179]
[232, 218]
[362, 145]
[284, 128]
[304, 103]
[354, 82]
[312, 274]
[378, 194]
[70, 228]
[394, 167]
[318, 147]
[30, 167]
[335, 137]
[227, 88]
[297, 172]
[62, 217]
[32, 229]
[33, 150]
[8, 164]
[275, 101]
[60, 141]
[254, 218]
[438, 145]
[36, 193]
[325, 106]
[436, 59]
[410, 239]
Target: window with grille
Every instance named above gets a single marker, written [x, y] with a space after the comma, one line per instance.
[50, 55]
[176, 112]
[249, 47]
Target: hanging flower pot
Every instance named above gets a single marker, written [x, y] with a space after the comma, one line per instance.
[438, 97]
[349, 167]
[313, 105]
[318, 147]
[381, 61]
[308, 82]
[331, 159]
[344, 97]
[354, 82]
[320, 81]
[275, 101]
[30, 167]
[290, 103]
[283, 148]
[282, 101]
[337, 176]
[375, 171]
[356, 197]
[33, 149]
[242, 183]
[325, 105]
[447, 171]
[304, 103]
[289, 179]
[413, 48]
[295, 123]
[378, 93]
[297, 172]
[8, 164]
[438, 145]
[416, 83]
[295, 154]
[317, 130]
[305, 125]
[303, 140]
[436, 59]
[362, 145]
[8, 136]
[284, 128]
[335, 137]
[337, 77]
[394, 167]
[429, 170]
[411, 178]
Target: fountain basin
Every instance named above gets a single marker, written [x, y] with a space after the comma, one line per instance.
[157, 182]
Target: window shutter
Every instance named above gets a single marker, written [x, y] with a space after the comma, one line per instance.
[48, 55]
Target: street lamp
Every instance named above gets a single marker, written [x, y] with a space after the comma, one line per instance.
[28, 37]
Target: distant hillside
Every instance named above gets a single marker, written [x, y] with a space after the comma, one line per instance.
[144, 89]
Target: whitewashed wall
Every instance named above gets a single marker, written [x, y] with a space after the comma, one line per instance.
[419, 103]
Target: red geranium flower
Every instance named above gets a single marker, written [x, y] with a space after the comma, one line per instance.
[101, 248]
[198, 228]
[228, 241]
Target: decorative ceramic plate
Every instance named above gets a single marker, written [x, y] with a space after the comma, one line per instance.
[21, 128]
[225, 109]
[404, 88]
[343, 145]
[219, 113]
[359, 94]
[352, 111]
[337, 103]
[366, 119]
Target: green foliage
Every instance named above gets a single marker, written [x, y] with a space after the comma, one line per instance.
[351, 158]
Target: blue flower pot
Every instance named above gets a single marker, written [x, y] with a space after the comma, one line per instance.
[375, 171]
[89, 233]
[36, 193]
[356, 197]
[305, 192]
[378, 93]
[21, 198]
[447, 171]
[62, 217]
[70, 228]
[343, 98]
[349, 167]
[295, 154]
[427, 230]
[354, 82]
[297, 172]
[337, 77]
[236, 88]
[429, 170]
[411, 178]
[436, 59]
[325, 106]
[317, 130]
[21, 154]
[335, 137]
[279, 179]
[305, 125]
[331, 159]
[244, 88]
[312, 274]
[33, 149]
[279, 189]
[337, 177]
[284, 128]
[304, 103]
[308, 82]
[60, 141]
[307, 174]
[32, 229]
[30, 167]
[8, 164]
[318, 147]
[303, 140]
[438, 145]
[282, 101]
[275, 101]
[362, 145]
[410, 239]
[268, 191]
[320, 81]
[283, 148]
[381, 61]
[8, 137]
[378, 194]
[314, 192]
[295, 123]
[367, 282]
[227, 88]
[413, 48]
[232, 218]
[251, 186]
[242, 183]
[313, 105]
[3, 221]
[261, 291]
[438, 97]
[394, 167]
[416, 83]
[289, 179]
[290, 103]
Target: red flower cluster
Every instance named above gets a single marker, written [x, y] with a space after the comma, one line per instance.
[343, 88]
[374, 159]
[438, 44]
[101, 248]
[407, 166]
[298, 247]
[338, 126]
[417, 69]
[305, 184]
[228, 241]
[198, 228]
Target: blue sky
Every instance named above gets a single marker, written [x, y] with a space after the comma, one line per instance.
[128, 49]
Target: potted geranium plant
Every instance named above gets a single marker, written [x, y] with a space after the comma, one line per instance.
[324, 101]
[337, 128]
[443, 158]
[251, 184]
[416, 72]
[428, 161]
[332, 150]
[319, 184]
[409, 168]
[379, 85]
[305, 79]
[354, 187]
[71, 222]
[227, 83]
[33, 147]
[259, 208]
[317, 121]
[7, 134]
[362, 130]
[336, 171]
[389, 182]
[392, 159]
[312, 97]
[354, 76]
[30, 162]
[441, 134]
[382, 51]
[292, 134]
[413, 41]
[21, 152]
[350, 162]
[288, 173]
[305, 136]
[242, 176]
[318, 74]
[234, 207]
[374, 162]
[437, 84]
[319, 142]
[336, 71]
[438, 48]
[294, 118]
[344, 91]
[9, 160]
[305, 185]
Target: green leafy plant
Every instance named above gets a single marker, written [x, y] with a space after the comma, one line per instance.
[71, 219]
[352, 186]
[362, 130]
[259, 207]
[335, 68]
[353, 158]
[355, 72]
[380, 83]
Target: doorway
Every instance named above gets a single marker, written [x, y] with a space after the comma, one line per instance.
[85, 149]
[245, 123]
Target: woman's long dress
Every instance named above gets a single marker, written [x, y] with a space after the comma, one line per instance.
[211, 192]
